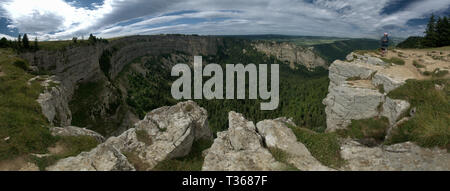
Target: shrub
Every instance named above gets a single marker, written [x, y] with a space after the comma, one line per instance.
[394, 60]
[143, 136]
[21, 64]
[417, 65]
[370, 132]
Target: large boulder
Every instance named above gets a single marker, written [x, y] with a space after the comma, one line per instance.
[239, 148]
[344, 103]
[102, 158]
[276, 134]
[164, 133]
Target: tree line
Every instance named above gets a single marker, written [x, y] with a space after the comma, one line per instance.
[20, 44]
[437, 34]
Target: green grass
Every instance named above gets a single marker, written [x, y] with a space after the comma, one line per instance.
[439, 73]
[73, 145]
[143, 136]
[192, 162]
[417, 65]
[430, 125]
[282, 157]
[324, 147]
[394, 60]
[21, 117]
[370, 132]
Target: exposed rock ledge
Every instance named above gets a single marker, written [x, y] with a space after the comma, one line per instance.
[399, 157]
[241, 147]
[76, 131]
[164, 133]
[354, 91]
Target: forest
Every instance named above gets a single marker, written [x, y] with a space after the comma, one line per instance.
[301, 91]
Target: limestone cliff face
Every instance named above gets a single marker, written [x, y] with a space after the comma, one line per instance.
[358, 89]
[73, 65]
[291, 54]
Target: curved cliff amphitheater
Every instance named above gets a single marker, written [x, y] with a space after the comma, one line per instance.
[371, 121]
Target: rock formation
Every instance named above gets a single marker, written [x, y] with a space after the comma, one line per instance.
[358, 89]
[164, 133]
[246, 147]
[276, 134]
[239, 148]
[291, 54]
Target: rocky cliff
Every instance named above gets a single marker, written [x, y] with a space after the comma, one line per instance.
[169, 132]
[80, 63]
[291, 54]
[358, 90]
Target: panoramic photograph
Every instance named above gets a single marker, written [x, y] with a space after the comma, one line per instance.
[193, 86]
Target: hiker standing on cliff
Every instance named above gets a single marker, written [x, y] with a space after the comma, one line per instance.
[384, 44]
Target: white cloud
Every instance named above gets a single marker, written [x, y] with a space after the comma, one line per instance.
[7, 36]
[55, 19]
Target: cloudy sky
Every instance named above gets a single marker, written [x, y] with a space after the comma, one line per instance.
[64, 19]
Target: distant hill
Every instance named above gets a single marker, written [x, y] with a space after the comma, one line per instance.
[305, 41]
[340, 49]
[411, 42]
[329, 48]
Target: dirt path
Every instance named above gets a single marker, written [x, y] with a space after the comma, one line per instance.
[17, 164]
[417, 61]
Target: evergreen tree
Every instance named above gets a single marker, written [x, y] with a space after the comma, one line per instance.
[3, 42]
[25, 41]
[92, 39]
[440, 28]
[445, 36]
[36, 47]
[430, 33]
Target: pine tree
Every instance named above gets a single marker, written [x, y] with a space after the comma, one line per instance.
[446, 32]
[25, 41]
[430, 33]
[3, 42]
[36, 47]
[440, 30]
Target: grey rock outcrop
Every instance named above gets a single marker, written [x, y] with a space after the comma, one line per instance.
[54, 103]
[399, 157]
[277, 135]
[358, 89]
[76, 131]
[291, 54]
[239, 148]
[164, 133]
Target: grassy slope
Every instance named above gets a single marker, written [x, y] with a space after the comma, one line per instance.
[431, 124]
[324, 147]
[22, 121]
[21, 118]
